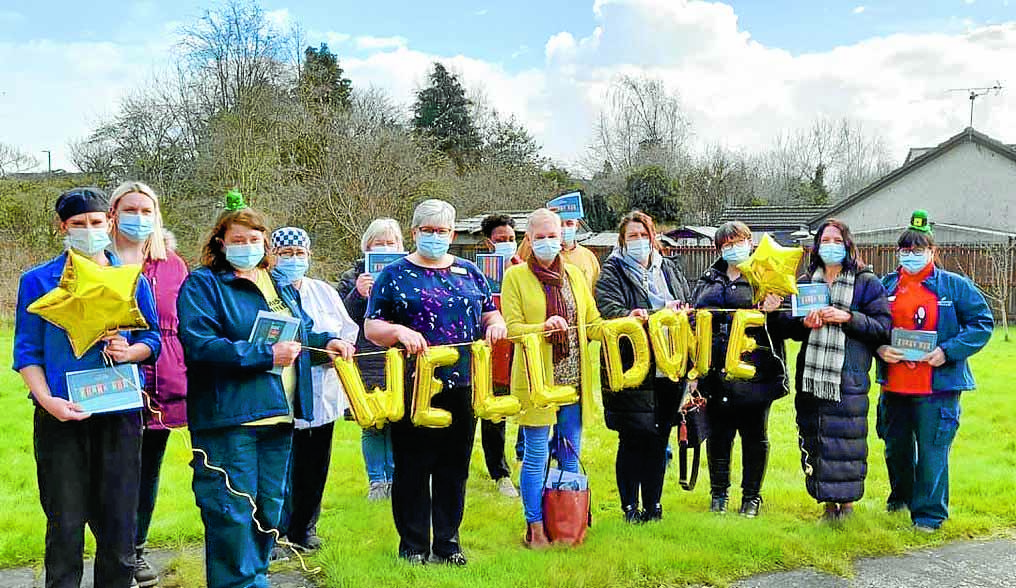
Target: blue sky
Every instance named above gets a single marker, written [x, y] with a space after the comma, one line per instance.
[64, 67]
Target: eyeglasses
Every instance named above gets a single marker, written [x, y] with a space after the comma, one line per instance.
[291, 254]
[440, 232]
[913, 251]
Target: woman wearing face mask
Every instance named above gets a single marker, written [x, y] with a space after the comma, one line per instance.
[919, 409]
[138, 238]
[636, 280]
[312, 439]
[499, 230]
[739, 406]
[431, 297]
[544, 295]
[243, 396]
[838, 343]
[88, 466]
[383, 235]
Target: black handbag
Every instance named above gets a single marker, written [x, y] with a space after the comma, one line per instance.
[692, 431]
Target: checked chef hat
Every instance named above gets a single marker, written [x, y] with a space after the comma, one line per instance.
[290, 236]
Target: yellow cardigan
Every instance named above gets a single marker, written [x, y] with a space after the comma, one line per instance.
[524, 307]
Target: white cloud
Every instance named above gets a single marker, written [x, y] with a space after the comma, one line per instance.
[280, 19]
[481, 12]
[859, 9]
[368, 43]
[968, 2]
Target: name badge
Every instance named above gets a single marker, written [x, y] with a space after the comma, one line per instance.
[459, 270]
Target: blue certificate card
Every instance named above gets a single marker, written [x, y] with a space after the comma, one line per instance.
[914, 344]
[809, 297]
[377, 261]
[272, 327]
[112, 389]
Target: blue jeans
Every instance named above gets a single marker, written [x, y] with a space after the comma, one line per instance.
[256, 459]
[535, 457]
[918, 432]
[377, 454]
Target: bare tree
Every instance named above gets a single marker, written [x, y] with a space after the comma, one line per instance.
[235, 55]
[1002, 262]
[13, 160]
[641, 124]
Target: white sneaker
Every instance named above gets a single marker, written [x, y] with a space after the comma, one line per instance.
[506, 488]
[377, 492]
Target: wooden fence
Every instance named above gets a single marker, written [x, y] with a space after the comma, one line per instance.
[973, 261]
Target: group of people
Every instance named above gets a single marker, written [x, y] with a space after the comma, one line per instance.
[261, 415]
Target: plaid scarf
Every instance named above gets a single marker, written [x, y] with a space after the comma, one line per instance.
[823, 360]
[552, 279]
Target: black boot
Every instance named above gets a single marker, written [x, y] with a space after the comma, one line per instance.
[632, 515]
[654, 513]
[144, 573]
[750, 506]
[719, 503]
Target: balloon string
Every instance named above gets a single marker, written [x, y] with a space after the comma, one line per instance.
[517, 337]
[205, 460]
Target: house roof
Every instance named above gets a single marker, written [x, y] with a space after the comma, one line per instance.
[915, 159]
[692, 231]
[764, 217]
[472, 224]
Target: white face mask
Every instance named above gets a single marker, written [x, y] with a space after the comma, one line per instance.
[506, 248]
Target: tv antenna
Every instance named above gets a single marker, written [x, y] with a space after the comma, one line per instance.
[975, 93]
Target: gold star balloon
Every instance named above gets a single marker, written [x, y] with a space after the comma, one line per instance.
[772, 268]
[92, 301]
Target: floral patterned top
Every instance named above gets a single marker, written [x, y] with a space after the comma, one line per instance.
[444, 305]
[567, 372]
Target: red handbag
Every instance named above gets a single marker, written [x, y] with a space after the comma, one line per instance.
[566, 511]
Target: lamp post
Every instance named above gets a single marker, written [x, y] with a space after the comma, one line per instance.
[49, 161]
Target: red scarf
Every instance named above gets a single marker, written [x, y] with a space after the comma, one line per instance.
[552, 279]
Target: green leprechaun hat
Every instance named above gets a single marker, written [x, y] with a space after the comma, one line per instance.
[919, 221]
[234, 200]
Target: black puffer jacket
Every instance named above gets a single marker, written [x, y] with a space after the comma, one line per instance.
[653, 405]
[834, 435]
[715, 290]
[372, 367]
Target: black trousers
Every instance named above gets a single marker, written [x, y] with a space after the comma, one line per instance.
[752, 423]
[88, 473]
[153, 450]
[492, 437]
[641, 465]
[431, 469]
[311, 456]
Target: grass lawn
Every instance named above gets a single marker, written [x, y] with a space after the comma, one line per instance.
[688, 547]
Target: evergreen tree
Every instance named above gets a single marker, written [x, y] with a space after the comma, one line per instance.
[652, 191]
[442, 112]
[321, 82]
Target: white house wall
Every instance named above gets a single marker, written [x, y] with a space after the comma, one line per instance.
[968, 185]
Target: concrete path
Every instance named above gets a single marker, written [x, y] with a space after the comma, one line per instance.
[161, 559]
[970, 564]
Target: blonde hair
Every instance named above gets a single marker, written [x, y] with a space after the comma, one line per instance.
[539, 215]
[155, 245]
[380, 227]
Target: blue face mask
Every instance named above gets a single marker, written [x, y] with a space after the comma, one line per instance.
[568, 234]
[432, 246]
[87, 241]
[639, 249]
[293, 267]
[832, 253]
[245, 257]
[546, 249]
[736, 254]
[913, 263]
[136, 227]
[506, 248]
